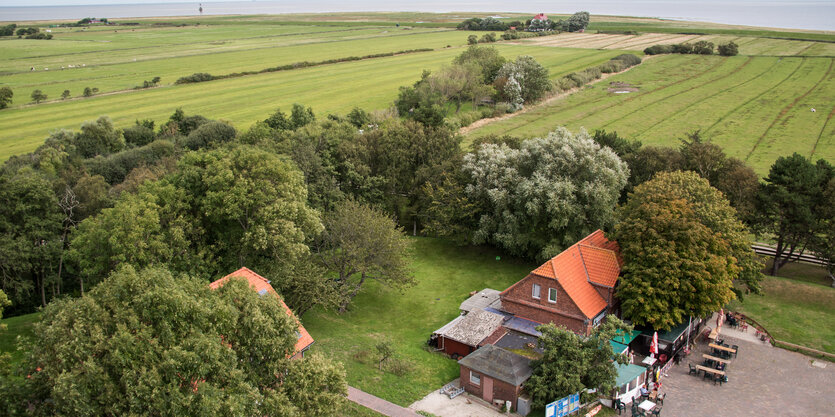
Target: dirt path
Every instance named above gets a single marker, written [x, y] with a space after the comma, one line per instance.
[554, 97]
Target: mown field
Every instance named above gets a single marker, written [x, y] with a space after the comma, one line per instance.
[369, 84]
[757, 108]
[748, 45]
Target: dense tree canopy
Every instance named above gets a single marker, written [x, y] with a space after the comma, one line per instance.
[531, 76]
[571, 363]
[147, 343]
[543, 197]
[683, 248]
[792, 205]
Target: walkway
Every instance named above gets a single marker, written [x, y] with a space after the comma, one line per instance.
[378, 404]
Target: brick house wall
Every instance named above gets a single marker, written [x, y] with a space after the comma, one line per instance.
[501, 390]
[519, 301]
[451, 347]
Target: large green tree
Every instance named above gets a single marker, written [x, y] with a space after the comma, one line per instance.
[6, 95]
[791, 204]
[531, 75]
[545, 196]
[571, 363]
[683, 248]
[147, 343]
[361, 243]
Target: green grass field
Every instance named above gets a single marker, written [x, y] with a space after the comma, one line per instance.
[757, 108]
[16, 326]
[370, 84]
[794, 311]
[445, 274]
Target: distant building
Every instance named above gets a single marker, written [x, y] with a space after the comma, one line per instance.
[541, 17]
[263, 287]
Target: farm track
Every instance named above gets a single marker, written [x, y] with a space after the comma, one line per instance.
[785, 110]
[711, 81]
[717, 93]
[823, 129]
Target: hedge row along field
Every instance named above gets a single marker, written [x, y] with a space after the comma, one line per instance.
[756, 108]
[370, 84]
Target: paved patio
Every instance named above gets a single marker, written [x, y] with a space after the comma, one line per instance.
[464, 405]
[762, 381]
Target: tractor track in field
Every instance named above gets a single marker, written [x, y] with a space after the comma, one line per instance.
[788, 108]
[823, 129]
[721, 119]
[811, 44]
[719, 62]
[637, 96]
[724, 90]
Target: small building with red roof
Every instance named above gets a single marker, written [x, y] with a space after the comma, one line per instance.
[540, 16]
[574, 289]
[263, 287]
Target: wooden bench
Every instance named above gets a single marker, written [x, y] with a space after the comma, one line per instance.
[711, 370]
[714, 358]
[720, 347]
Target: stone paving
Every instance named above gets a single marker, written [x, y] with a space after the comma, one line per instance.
[762, 381]
[464, 405]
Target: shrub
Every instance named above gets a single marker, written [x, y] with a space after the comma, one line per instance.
[488, 38]
[115, 167]
[728, 49]
[209, 135]
[398, 366]
[659, 49]
[703, 48]
[138, 135]
[611, 67]
[197, 77]
[630, 59]
[472, 40]
[683, 48]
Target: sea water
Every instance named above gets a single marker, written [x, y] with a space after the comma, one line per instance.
[798, 14]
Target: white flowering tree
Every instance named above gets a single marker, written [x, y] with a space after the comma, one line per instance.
[545, 196]
[530, 75]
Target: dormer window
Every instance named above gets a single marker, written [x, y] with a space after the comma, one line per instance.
[535, 291]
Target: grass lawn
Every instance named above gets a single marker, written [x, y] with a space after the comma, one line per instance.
[446, 274]
[794, 310]
[16, 326]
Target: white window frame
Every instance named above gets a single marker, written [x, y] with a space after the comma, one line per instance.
[475, 378]
[552, 291]
[536, 291]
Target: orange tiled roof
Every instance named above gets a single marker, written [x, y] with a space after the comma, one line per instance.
[259, 284]
[594, 259]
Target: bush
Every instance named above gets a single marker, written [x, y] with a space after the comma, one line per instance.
[115, 167]
[683, 48]
[398, 366]
[209, 135]
[630, 59]
[659, 49]
[197, 77]
[703, 48]
[611, 67]
[488, 38]
[472, 40]
[728, 49]
[138, 135]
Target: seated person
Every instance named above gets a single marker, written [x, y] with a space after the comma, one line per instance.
[644, 391]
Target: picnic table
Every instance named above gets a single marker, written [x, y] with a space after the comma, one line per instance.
[714, 358]
[711, 370]
[646, 405]
[720, 347]
[713, 334]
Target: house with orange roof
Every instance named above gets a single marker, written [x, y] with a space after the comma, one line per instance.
[574, 289]
[263, 287]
